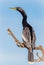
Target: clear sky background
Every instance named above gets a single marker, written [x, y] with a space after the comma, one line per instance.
[10, 54]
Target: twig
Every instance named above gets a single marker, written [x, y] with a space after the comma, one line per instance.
[42, 57]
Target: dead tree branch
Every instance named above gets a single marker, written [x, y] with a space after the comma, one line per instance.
[42, 51]
[15, 39]
[22, 45]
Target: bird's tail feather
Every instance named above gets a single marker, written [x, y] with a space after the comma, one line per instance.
[30, 57]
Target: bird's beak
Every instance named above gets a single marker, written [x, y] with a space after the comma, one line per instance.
[12, 8]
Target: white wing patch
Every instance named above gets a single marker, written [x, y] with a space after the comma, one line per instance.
[24, 38]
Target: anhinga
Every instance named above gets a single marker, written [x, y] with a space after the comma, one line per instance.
[28, 35]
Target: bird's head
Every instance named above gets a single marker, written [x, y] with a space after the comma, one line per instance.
[20, 10]
[17, 8]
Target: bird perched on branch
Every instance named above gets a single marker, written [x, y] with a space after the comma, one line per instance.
[28, 35]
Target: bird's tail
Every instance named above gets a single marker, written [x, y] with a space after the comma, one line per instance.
[21, 11]
[30, 57]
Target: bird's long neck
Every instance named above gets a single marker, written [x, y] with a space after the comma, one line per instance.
[24, 21]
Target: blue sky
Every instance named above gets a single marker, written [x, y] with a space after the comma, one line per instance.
[10, 54]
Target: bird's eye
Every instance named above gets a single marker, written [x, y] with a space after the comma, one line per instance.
[20, 9]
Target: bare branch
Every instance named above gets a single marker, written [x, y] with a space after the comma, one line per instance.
[16, 40]
[22, 46]
[42, 51]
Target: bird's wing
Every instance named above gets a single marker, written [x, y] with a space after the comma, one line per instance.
[34, 39]
[26, 35]
[34, 36]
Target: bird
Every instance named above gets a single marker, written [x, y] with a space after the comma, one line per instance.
[28, 34]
